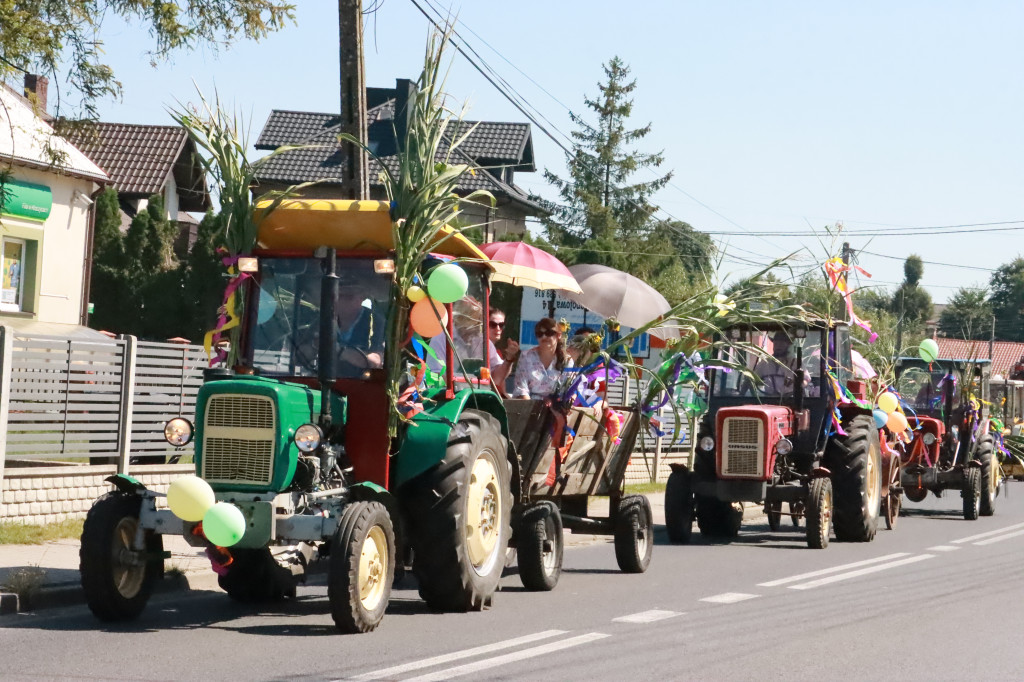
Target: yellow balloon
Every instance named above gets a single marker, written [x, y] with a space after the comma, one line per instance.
[415, 294]
[888, 403]
[190, 497]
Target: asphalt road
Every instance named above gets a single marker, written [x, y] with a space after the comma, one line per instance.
[938, 598]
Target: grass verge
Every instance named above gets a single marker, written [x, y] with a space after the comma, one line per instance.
[644, 488]
[14, 533]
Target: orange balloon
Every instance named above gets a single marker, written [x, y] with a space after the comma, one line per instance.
[424, 320]
[897, 422]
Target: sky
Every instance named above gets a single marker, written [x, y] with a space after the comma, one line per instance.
[777, 118]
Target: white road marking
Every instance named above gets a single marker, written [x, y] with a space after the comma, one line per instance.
[860, 572]
[834, 569]
[943, 548]
[1000, 538]
[455, 656]
[646, 616]
[487, 663]
[970, 538]
[729, 597]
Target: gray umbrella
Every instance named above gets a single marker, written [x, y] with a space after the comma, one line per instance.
[613, 293]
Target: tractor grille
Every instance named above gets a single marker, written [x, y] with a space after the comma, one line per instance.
[742, 447]
[239, 433]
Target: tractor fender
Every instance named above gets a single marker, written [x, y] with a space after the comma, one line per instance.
[426, 438]
[126, 483]
[678, 466]
[820, 472]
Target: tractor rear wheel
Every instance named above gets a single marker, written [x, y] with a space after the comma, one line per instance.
[118, 580]
[361, 567]
[679, 507]
[540, 547]
[985, 454]
[856, 464]
[819, 513]
[971, 492]
[634, 534]
[717, 518]
[460, 514]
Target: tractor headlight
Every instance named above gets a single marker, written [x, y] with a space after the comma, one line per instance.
[308, 437]
[178, 432]
[707, 443]
[928, 438]
[784, 446]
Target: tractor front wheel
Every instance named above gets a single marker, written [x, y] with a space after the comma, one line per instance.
[540, 547]
[679, 507]
[361, 567]
[634, 534]
[117, 579]
[985, 455]
[972, 492]
[460, 515]
[819, 513]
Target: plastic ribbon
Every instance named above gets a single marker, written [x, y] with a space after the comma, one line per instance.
[227, 314]
[836, 269]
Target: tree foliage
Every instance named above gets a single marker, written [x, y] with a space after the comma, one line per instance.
[1007, 299]
[60, 37]
[605, 215]
[968, 315]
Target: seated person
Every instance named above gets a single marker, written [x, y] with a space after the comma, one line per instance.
[541, 367]
[467, 316]
[778, 375]
[361, 330]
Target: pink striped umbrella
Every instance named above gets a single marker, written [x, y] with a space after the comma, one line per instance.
[527, 266]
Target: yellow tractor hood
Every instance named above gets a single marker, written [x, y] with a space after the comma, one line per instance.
[300, 224]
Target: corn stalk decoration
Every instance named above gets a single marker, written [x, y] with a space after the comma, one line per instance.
[223, 140]
[422, 191]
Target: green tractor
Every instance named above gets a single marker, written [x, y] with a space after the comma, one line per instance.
[296, 438]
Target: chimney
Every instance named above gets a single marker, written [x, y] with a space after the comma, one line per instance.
[35, 88]
[404, 90]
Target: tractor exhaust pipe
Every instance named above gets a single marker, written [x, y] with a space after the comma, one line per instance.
[328, 334]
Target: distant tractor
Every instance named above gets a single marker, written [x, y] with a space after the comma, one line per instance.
[952, 448]
[775, 440]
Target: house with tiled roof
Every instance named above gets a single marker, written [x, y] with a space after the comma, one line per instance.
[146, 160]
[46, 216]
[1003, 354]
[496, 150]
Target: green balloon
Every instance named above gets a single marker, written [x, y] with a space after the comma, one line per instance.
[447, 283]
[224, 524]
[928, 350]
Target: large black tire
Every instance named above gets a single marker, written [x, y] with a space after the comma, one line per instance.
[634, 534]
[819, 513]
[679, 507]
[540, 547]
[361, 567]
[255, 577]
[971, 493]
[117, 581]
[458, 564]
[984, 452]
[717, 519]
[773, 510]
[856, 464]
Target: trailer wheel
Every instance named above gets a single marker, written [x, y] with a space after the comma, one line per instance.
[361, 567]
[773, 510]
[819, 513]
[634, 534]
[856, 463]
[971, 492]
[717, 518]
[985, 454]
[540, 547]
[116, 579]
[679, 507]
[460, 515]
[892, 502]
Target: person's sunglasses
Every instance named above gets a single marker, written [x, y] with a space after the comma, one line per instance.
[549, 332]
[497, 325]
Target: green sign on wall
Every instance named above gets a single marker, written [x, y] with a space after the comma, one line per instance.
[25, 200]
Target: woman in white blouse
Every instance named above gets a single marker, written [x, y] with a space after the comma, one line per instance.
[541, 366]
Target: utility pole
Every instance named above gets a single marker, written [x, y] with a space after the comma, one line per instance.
[992, 339]
[355, 166]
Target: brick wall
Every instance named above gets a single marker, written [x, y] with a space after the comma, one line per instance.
[47, 494]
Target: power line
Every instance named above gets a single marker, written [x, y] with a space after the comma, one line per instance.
[929, 262]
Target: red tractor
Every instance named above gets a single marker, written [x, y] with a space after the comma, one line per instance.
[784, 437]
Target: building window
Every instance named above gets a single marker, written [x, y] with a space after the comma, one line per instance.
[12, 275]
